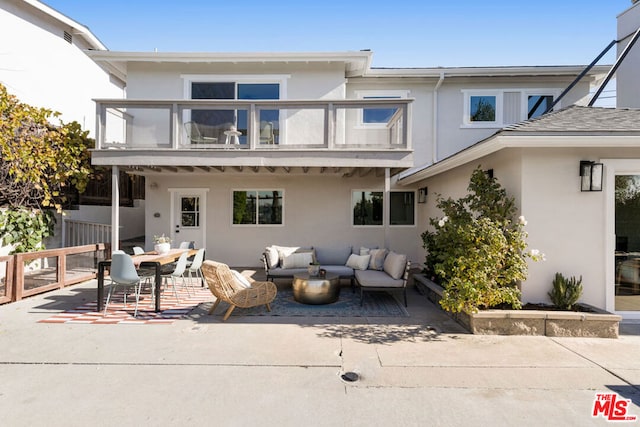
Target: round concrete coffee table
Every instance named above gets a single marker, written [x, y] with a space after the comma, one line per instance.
[316, 289]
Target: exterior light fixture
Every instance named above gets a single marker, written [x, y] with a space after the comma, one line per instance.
[422, 195]
[590, 176]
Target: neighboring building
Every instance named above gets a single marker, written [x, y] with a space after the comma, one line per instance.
[628, 89]
[43, 61]
[322, 137]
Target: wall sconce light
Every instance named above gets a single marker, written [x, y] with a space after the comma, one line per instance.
[422, 195]
[590, 176]
[153, 185]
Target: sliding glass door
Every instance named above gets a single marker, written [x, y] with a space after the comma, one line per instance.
[219, 121]
[627, 246]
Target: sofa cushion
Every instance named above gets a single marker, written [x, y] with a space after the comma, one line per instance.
[281, 272]
[272, 257]
[297, 260]
[394, 264]
[358, 262]
[333, 256]
[377, 258]
[340, 270]
[377, 279]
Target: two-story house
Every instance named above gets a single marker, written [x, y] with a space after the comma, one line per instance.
[245, 150]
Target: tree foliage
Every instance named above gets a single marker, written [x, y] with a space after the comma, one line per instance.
[477, 249]
[39, 160]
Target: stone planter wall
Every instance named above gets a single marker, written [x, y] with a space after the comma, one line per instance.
[550, 323]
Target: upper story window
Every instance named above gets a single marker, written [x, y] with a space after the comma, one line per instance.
[498, 108]
[537, 105]
[482, 109]
[378, 117]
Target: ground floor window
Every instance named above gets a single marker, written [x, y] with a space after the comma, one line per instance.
[402, 208]
[368, 207]
[258, 207]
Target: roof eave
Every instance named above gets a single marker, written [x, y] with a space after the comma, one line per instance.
[78, 28]
[502, 140]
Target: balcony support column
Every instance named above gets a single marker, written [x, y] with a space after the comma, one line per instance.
[386, 206]
[115, 208]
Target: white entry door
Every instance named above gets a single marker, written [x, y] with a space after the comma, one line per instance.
[188, 216]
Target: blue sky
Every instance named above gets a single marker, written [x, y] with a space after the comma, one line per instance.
[416, 33]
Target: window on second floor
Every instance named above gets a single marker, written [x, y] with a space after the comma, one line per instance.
[498, 108]
[537, 105]
[378, 117]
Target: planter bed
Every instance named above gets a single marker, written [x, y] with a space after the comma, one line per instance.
[591, 322]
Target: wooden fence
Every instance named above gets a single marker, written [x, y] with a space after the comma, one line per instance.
[33, 273]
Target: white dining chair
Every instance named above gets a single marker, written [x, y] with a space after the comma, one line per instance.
[178, 272]
[194, 268]
[123, 274]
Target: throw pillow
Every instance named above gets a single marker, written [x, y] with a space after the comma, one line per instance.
[285, 251]
[358, 262]
[394, 264]
[377, 258]
[298, 260]
[364, 251]
[271, 254]
[240, 279]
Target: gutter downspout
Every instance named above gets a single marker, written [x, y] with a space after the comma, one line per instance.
[434, 136]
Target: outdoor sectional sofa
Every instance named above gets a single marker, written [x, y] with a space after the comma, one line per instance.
[371, 269]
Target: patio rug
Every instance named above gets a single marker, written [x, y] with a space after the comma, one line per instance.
[172, 309]
[376, 304]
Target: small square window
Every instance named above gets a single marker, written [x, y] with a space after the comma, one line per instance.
[537, 105]
[482, 108]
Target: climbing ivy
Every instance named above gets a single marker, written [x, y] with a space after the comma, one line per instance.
[25, 229]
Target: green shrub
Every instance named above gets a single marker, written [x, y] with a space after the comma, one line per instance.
[477, 251]
[565, 292]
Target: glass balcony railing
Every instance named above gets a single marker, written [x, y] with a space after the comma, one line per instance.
[365, 124]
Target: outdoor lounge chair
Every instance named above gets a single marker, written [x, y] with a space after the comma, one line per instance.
[196, 134]
[266, 133]
[225, 287]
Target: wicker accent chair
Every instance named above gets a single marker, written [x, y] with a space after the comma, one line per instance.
[224, 286]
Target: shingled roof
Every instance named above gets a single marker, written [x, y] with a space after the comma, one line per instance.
[581, 119]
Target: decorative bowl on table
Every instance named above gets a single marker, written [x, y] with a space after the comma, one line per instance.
[162, 248]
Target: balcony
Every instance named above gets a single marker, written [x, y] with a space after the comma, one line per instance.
[337, 133]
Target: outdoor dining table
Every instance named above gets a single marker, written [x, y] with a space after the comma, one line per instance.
[148, 260]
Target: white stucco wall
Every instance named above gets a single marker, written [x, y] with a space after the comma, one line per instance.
[317, 212]
[44, 70]
[628, 90]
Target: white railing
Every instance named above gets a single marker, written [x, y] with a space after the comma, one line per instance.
[80, 233]
[271, 124]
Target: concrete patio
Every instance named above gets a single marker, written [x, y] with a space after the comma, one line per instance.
[420, 370]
